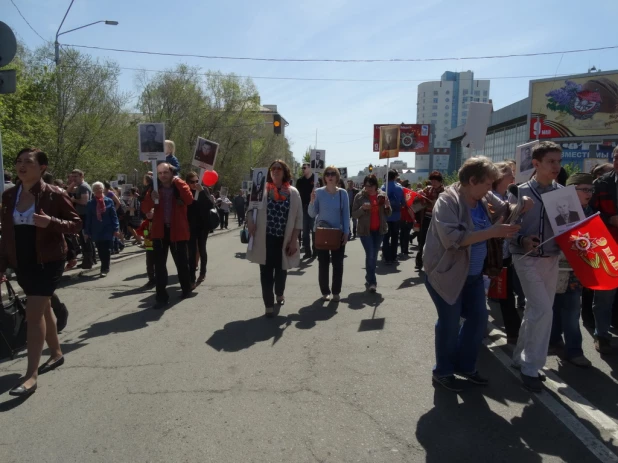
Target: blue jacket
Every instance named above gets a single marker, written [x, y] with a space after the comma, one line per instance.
[101, 230]
[397, 199]
[172, 161]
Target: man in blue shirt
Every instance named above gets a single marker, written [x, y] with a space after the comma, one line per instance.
[397, 200]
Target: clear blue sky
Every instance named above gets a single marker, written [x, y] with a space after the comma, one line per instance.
[342, 112]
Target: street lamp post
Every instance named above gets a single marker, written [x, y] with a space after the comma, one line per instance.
[57, 60]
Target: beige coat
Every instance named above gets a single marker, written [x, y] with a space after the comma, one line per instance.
[257, 254]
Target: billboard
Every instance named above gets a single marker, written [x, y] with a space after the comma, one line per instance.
[579, 106]
[413, 138]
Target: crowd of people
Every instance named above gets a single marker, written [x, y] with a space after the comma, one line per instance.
[458, 227]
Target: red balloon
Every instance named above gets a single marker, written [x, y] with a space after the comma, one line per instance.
[210, 178]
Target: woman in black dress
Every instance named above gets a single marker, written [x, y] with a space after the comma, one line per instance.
[198, 214]
[35, 217]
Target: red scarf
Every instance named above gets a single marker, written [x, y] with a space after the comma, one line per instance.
[278, 194]
[100, 208]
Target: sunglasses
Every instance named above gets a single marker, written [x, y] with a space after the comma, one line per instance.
[275, 168]
[585, 190]
[330, 174]
[305, 167]
[193, 181]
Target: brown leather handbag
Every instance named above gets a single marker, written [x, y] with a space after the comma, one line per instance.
[327, 238]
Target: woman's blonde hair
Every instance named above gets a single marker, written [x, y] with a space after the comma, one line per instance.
[172, 144]
[479, 168]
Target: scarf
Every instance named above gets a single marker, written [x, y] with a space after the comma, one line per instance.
[100, 208]
[278, 194]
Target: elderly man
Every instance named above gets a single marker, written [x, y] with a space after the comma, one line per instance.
[170, 229]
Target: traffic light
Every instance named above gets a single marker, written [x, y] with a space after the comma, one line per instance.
[370, 168]
[277, 124]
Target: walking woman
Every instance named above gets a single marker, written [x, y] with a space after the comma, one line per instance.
[35, 216]
[275, 234]
[371, 207]
[198, 213]
[223, 203]
[455, 252]
[101, 225]
[330, 207]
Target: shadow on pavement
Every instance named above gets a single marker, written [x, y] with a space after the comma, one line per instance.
[136, 277]
[307, 317]
[242, 334]
[301, 269]
[241, 255]
[172, 280]
[412, 282]
[383, 269]
[358, 301]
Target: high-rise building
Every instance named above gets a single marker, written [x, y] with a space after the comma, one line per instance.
[445, 104]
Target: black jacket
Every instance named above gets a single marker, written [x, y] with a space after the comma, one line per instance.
[305, 187]
[198, 212]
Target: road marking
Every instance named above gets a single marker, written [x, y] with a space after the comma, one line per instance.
[570, 396]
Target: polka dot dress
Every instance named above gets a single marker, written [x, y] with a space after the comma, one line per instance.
[277, 217]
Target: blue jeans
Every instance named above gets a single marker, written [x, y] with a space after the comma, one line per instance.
[371, 244]
[308, 232]
[457, 348]
[566, 320]
[602, 307]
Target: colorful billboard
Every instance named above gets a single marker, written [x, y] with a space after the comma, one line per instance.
[413, 138]
[579, 106]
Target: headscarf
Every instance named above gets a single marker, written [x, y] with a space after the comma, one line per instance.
[278, 194]
[100, 207]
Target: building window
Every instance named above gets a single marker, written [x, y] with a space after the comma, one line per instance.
[434, 121]
[445, 122]
[485, 93]
[484, 100]
[435, 100]
[447, 107]
[447, 100]
[448, 92]
[435, 93]
[465, 92]
[477, 93]
[463, 121]
[477, 99]
[434, 114]
[434, 106]
[464, 113]
[465, 100]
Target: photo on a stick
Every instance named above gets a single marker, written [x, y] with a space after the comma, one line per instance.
[523, 158]
[563, 208]
[151, 141]
[389, 141]
[205, 154]
[317, 160]
[258, 187]
[343, 172]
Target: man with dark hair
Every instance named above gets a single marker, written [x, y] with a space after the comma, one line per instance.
[80, 193]
[538, 271]
[605, 201]
[305, 185]
[397, 199]
[170, 230]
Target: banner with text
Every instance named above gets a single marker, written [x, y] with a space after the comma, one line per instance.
[413, 137]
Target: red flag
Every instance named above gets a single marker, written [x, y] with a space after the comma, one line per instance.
[592, 253]
[409, 195]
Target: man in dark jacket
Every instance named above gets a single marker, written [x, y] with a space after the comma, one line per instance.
[239, 206]
[604, 201]
[305, 185]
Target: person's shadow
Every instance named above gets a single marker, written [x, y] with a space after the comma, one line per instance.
[309, 316]
[242, 334]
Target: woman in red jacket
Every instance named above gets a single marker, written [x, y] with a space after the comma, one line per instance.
[35, 217]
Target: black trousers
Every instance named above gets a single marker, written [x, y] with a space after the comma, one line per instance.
[241, 216]
[271, 274]
[150, 265]
[180, 255]
[510, 316]
[391, 242]
[422, 237]
[197, 243]
[404, 236]
[325, 258]
[105, 250]
[87, 246]
[223, 218]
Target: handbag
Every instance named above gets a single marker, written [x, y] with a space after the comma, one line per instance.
[12, 324]
[493, 261]
[213, 219]
[497, 285]
[244, 235]
[326, 237]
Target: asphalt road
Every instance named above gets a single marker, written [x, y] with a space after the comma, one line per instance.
[212, 380]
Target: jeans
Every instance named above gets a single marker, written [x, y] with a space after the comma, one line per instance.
[325, 258]
[197, 243]
[271, 273]
[308, 232]
[404, 236]
[422, 237]
[602, 307]
[354, 225]
[457, 348]
[539, 278]
[566, 320]
[223, 218]
[105, 249]
[180, 256]
[391, 242]
[371, 244]
[510, 316]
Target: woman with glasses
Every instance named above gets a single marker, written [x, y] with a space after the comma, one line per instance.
[330, 207]
[275, 234]
[371, 207]
[35, 218]
[198, 213]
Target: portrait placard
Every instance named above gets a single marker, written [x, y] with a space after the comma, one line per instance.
[523, 158]
[258, 187]
[151, 141]
[205, 154]
[563, 208]
[317, 160]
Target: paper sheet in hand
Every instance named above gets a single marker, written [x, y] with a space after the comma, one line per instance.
[479, 115]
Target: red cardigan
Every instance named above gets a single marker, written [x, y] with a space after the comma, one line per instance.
[180, 225]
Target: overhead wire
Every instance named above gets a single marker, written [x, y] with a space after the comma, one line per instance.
[29, 25]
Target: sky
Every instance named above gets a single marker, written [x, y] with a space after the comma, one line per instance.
[342, 112]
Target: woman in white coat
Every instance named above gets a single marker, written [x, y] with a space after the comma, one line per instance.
[275, 234]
